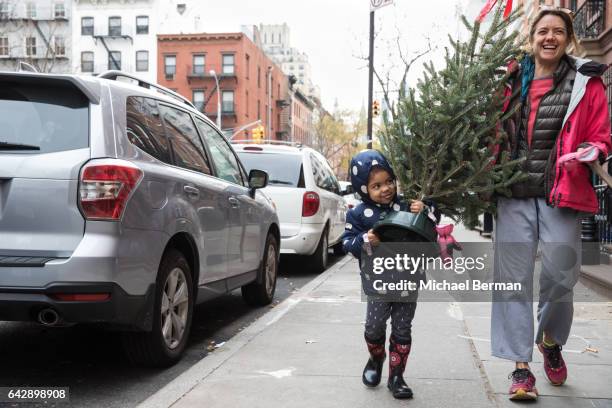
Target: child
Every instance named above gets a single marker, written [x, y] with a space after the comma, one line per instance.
[373, 178]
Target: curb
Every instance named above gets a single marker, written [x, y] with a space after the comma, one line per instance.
[601, 278]
[188, 380]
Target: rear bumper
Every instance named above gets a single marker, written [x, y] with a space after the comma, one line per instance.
[304, 242]
[122, 310]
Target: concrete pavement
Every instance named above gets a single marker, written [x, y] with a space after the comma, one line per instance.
[309, 352]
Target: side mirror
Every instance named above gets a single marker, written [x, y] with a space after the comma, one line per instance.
[257, 179]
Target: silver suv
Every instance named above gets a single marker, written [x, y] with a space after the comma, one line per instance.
[121, 204]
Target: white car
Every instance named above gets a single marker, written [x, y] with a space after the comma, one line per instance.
[351, 198]
[306, 193]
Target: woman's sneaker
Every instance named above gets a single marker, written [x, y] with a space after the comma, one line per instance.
[523, 385]
[554, 366]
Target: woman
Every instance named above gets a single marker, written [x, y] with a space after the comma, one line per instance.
[562, 108]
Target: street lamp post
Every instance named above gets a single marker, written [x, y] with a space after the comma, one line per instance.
[269, 113]
[213, 73]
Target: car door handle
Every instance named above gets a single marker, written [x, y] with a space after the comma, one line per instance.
[234, 202]
[192, 191]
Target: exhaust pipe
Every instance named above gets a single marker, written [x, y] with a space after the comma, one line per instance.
[48, 317]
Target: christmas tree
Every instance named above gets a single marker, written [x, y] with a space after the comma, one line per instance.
[442, 136]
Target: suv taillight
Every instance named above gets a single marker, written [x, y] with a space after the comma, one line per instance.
[310, 204]
[105, 187]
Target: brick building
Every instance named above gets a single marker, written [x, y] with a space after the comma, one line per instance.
[301, 118]
[251, 86]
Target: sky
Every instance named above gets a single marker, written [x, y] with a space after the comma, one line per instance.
[334, 34]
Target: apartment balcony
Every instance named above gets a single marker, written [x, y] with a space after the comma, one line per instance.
[224, 114]
[590, 19]
[125, 33]
[40, 16]
[22, 56]
[282, 103]
[202, 72]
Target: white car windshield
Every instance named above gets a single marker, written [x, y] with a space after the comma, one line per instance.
[283, 169]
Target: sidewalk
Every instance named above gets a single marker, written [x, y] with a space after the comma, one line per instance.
[309, 352]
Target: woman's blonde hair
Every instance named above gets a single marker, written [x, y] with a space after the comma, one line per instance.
[574, 44]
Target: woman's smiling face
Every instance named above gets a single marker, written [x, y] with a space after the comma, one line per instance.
[549, 40]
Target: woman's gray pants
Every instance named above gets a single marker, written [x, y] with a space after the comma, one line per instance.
[520, 225]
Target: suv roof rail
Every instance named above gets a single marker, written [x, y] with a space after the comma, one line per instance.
[114, 74]
[268, 141]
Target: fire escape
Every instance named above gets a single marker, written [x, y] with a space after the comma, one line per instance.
[114, 33]
[32, 19]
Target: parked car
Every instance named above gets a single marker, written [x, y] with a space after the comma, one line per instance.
[351, 198]
[307, 196]
[122, 205]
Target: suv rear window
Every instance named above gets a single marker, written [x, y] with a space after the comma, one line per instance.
[282, 169]
[53, 118]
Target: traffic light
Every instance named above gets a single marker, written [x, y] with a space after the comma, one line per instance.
[258, 134]
[375, 109]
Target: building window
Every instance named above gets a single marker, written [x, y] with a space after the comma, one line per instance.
[142, 25]
[30, 46]
[142, 61]
[87, 61]
[87, 26]
[170, 66]
[227, 101]
[4, 47]
[228, 64]
[247, 65]
[31, 10]
[246, 101]
[259, 77]
[199, 62]
[258, 109]
[114, 26]
[60, 46]
[4, 11]
[114, 60]
[60, 10]
[573, 5]
[198, 99]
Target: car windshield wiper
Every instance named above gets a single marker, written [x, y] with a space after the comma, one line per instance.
[17, 146]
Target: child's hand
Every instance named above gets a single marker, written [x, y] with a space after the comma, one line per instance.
[416, 206]
[373, 238]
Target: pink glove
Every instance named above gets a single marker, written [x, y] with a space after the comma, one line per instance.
[586, 155]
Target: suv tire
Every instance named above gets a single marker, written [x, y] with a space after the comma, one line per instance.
[318, 260]
[170, 312]
[261, 294]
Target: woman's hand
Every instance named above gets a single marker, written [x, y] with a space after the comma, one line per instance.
[416, 206]
[373, 238]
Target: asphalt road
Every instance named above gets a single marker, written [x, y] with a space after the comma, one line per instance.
[91, 361]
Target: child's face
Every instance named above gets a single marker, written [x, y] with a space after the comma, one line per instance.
[381, 186]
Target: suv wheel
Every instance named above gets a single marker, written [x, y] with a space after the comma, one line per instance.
[318, 260]
[261, 294]
[172, 314]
